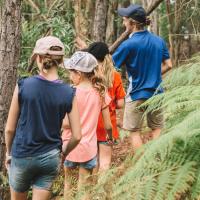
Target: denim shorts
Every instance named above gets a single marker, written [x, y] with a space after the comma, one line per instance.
[90, 164]
[38, 171]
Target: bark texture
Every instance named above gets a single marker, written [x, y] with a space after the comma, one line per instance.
[84, 11]
[10, 19]
[99, 28]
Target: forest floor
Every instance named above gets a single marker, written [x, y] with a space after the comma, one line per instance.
[121, 150]
[120, 153]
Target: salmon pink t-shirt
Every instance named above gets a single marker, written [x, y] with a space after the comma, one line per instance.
[89, 106]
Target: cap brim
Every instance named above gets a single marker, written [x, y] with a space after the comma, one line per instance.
[85, 50]
[56, 53]
[67, 63]
[122, 12]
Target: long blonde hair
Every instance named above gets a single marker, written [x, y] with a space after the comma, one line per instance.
[96, 78]
[98, 81]
[108, 70]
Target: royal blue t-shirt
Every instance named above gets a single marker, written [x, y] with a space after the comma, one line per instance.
[43, 105]
[143, 54]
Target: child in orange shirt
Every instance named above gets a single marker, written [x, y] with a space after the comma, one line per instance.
[91, 100]
[116, 91]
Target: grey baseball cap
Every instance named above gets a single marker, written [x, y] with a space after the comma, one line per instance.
[81, 61]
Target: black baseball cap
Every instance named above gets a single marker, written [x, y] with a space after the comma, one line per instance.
[98, 49]
[134, 11]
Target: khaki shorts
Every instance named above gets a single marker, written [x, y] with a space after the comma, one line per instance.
[133, 117]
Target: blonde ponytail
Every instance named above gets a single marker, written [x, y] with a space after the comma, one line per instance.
[108, 70]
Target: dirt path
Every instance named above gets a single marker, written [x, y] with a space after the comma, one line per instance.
[120, 151]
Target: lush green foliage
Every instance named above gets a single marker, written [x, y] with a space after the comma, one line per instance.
[57, 21]
[164, 169]
[163, 22]
[167, 168]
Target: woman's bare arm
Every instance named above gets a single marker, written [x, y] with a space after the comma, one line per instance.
[65, 124]
[107, 122]
[74, 122]
[11, 123]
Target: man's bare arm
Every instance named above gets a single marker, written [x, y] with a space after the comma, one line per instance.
[166, 66]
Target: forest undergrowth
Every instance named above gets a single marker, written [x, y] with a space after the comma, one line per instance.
[165, 169]
[169, 167]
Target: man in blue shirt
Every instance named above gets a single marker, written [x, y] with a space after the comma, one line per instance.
[143, 54]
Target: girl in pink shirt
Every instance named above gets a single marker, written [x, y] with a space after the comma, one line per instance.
[91, 100]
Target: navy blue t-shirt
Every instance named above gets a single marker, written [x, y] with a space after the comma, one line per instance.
[143, 54]
[43, 105]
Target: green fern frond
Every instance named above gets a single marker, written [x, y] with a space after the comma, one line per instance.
[164, 184]
[150, 189]
[185, 176]
[195, 193]
[169, 167]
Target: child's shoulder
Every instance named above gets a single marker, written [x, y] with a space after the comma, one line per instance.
[86, 91]
[117, 79]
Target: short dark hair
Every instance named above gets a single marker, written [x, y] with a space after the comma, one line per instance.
[98, 49]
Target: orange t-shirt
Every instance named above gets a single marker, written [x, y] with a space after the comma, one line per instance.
[116, 92]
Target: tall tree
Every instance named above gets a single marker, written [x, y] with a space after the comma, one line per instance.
[110, 21]
[99, 28]
[10, 18]
[148, 4]
[170, 27]
[84, 13]
[182, 15]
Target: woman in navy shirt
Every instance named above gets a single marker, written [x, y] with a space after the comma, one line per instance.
[32, 134]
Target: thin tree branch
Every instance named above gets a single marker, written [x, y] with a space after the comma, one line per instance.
[34, 6]
[153, 6]
[52, 5]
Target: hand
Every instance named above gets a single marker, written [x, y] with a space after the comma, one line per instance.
[110, 141]
[62, 158]
[8, 160]
[64, 147]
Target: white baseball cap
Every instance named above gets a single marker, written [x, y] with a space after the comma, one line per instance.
[81, 61]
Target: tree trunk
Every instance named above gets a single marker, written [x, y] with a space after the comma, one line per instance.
[99, 28]
[147, 5]
[10, 30]
[154, 23]
[177, 30]
[170, 29]
[153, 6]
[84, 13]
[110, 22]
